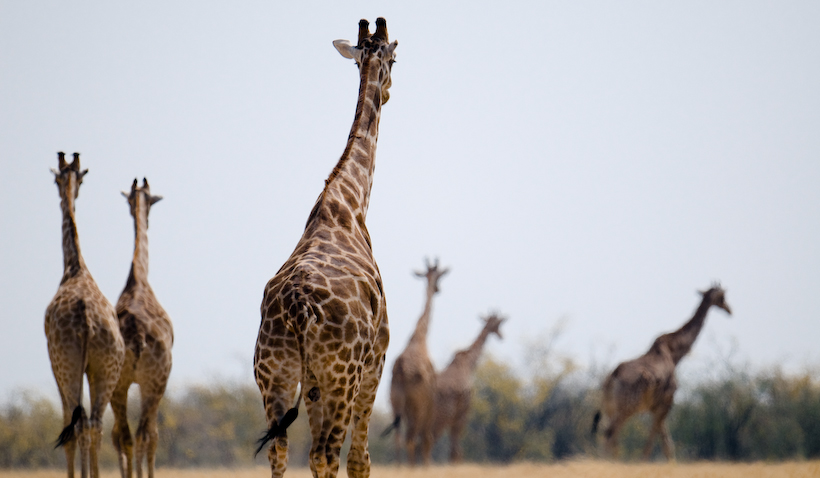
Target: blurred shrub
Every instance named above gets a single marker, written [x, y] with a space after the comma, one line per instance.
[540, 415]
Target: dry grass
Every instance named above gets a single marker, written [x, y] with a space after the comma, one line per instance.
[566, 469]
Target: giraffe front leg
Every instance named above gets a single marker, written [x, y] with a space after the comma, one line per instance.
[667, 443]
[659, 426]
[666, 439]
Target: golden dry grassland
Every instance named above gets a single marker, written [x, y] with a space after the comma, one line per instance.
[567, 469]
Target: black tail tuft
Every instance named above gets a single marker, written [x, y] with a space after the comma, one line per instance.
[68, 432]
[393, 426]
[595, 422]
[277, 429]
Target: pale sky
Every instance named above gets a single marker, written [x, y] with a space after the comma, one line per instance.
[591, 162]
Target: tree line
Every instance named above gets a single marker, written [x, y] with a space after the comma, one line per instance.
[543, 417]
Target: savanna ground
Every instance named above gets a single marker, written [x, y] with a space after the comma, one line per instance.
[565, 469]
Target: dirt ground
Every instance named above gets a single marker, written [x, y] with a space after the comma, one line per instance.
[598, 469]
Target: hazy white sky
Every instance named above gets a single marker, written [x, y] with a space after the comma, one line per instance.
[596, 161]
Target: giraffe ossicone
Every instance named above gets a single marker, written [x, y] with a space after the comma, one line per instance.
[324, 316]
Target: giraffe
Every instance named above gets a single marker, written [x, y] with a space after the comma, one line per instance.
[324, 316]
[454, 388]
[148, 335]
[413, 384]
[82, 334]
[648, 382]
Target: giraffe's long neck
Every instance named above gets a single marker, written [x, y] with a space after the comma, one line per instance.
[473, 353]
[419, 336]
[73, 261]
[680, 341]
[352, 177]
[139, 264]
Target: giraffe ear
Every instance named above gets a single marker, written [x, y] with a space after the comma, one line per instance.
[347, 50]
[392, 48]
[125, 194]
[154, 199]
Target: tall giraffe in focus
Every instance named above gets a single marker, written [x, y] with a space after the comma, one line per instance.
[148, 335]
[82, 334]
[413, 384]
[648, 382]
[454, 388]
[324, 315]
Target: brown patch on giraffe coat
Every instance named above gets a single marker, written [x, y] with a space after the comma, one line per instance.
[321, 295]
[336, 310]
[349, 197]
[343, 241]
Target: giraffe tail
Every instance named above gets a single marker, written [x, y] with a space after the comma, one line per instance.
[393, 426]
[279, 428]
[68, 432]
[78, 415]
[595, 421]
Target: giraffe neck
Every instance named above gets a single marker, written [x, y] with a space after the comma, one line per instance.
[73, 261]
[139, 264]
[680, 341]
[352, 177]
[474, 351]
[420, 333]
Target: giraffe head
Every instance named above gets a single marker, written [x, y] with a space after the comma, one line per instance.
[433, 274]
[492, 323]
[69, 177]
[716, 296]
[374, 54]
[140, 199]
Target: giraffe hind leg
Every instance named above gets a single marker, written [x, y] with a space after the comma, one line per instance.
[279, 415]
[358, 458]
[147, 432]
[121, 433]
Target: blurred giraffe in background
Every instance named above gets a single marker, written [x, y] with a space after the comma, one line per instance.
[413, 384]
[324, 315]
[648, 382]
[454, 388]
[149, 336]
[82, 334]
